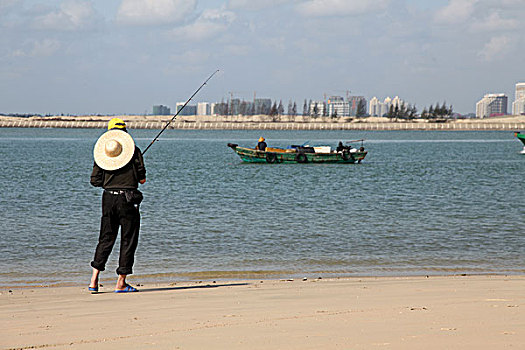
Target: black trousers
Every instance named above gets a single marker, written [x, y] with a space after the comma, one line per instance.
[117, 212]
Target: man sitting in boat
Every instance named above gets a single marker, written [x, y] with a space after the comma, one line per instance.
[341, 147]
[261, 146]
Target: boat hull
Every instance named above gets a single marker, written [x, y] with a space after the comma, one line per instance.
[251, 155]
[521, 137]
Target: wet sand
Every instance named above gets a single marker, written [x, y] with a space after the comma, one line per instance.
[450, 312]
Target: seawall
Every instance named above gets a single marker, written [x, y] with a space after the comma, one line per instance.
[222, 125]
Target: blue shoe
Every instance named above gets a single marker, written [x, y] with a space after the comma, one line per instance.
[128, 289]
[93, 290]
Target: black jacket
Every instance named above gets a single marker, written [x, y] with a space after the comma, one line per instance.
[125, 178]
[261, 146]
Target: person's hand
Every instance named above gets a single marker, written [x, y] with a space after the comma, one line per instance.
[142, 181]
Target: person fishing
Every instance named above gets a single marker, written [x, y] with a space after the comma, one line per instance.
[118, 169]
[261, 145]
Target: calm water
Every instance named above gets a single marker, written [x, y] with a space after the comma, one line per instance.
[420, 203]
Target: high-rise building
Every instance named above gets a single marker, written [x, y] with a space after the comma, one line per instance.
[219, 108]
[354, 102]
[262, 105]
[188, 110]
[317, 108]
[161, 110]
[385, 107]
[397, 102]
[203, 108]
[518, 107]
[235, 105]
[337, 106]
[491, 105]
[380, 109]
[374, 107]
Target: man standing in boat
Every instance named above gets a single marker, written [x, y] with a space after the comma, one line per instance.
[119, 168]
[261, 146]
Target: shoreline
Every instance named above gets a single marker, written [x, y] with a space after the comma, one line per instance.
[438, 312]
[509, 123]
[213, 277]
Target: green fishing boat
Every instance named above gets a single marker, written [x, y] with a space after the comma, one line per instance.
[521, 137]
[301, 154]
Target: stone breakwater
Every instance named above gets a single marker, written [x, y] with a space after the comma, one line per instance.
[239, 125]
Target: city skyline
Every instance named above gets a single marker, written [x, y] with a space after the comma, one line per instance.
[119, 57]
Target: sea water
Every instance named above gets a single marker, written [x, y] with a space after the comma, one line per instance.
[421, 203]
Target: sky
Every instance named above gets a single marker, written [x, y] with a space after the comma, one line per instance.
[124, 56]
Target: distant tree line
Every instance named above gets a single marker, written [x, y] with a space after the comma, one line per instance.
[276, 109]
[407, 112]
[438, 112]
[361, 109]
[251, 108]
[320, 109]
[23, 115]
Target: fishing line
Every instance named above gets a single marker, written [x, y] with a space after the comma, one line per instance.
[180, 110]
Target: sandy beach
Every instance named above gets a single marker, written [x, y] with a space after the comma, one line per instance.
[450, 312]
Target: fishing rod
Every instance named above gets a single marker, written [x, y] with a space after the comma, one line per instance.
[184, 105]
[362, 140]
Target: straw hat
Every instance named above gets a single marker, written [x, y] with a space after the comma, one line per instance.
[114, 149]
[261, 139]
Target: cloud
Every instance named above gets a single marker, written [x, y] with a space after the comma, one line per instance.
[149, 12]
[7, 4]
[321, 8]
[496, 47]
[187, 61]
[238, 50]
[254, 5]
[456, 11]
[191, 56]
[275, 43]
[518, 4]
[72, 15]
[494, 22]
[43, 48]
[210, 23]
[46, 47]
